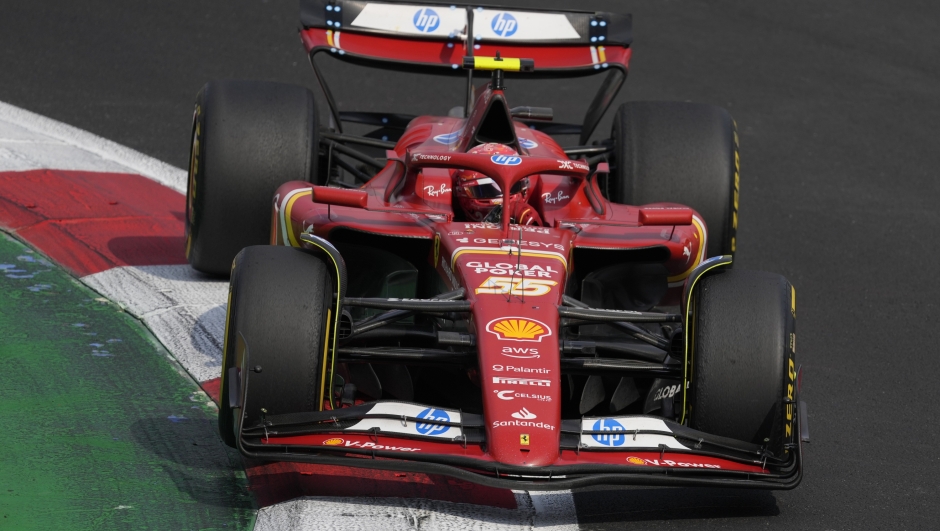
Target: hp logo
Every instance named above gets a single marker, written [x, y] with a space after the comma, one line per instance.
[426, 20]
[506, 160]
[614, 438]
[504, 25]
[433, 429]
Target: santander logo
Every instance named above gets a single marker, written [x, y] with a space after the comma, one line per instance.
[524, 414]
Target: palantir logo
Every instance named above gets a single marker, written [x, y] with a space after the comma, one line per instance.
[426, 20]
[504, 25]
[614, 438]
[506, 160]
[433, 429]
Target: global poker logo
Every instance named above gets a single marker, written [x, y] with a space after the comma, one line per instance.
[504, 25]
[429, 429]
[426, 20]
[615, 437]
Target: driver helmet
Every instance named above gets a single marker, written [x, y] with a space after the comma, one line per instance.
[478, 194]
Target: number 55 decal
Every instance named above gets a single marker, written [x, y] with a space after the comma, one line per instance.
[532, 287]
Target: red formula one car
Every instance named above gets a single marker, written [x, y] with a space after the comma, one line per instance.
[460, 295]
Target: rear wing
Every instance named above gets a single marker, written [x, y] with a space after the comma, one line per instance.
[435, 38]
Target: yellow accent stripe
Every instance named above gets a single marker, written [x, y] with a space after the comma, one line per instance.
[602, 54]
[698, 258]
[329, 37]
[686, 382]
[338, 313]
[326, 343]
[285, 214]
[534, 254]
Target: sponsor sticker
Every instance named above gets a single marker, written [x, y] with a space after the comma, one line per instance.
[431, 191]
[521, 353]
[504, 25]
[426, 20]
[559, 196]
[417, 157]
[373, 446]
[504, 268]
[518, 329]
[528, 143]
[532, 287]
[433, 429]
[512, 395]
[524, 439]
[522, 424]
[633, 460]
[505, 160]
[572, 165]
[524, 414]
[448, 138]
[335, 441]
[505, 380]
[511, 368]
[614, 435]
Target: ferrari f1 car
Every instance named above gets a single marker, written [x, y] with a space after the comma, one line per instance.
[461, 295]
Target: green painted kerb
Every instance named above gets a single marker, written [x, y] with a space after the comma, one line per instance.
[99, 428]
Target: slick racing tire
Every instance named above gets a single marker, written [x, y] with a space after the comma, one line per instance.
[676, 152]
[249, 137]
[743, 358]
[278, 302]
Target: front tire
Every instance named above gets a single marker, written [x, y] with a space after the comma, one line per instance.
[677, 152]
[278, 303]
[249, 137]
[743, 358]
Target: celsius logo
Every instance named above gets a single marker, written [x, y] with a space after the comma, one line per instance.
[448, 138]
[504, 25]
[615, 437]
[506, 160]
[528, 144]
[432, 430]
[426, 20]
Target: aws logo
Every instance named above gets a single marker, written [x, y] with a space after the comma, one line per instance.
[518, 329]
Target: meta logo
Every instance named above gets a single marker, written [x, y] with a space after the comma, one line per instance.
[506, 160]
[431, 430]
[426, 20]
[448, 138]
[614, 435]
[504, 25]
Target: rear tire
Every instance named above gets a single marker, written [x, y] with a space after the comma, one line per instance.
[249, 137]
[743, 358]
[278, 301]
[676, 152]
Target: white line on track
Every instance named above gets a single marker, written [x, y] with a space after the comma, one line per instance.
[186, 312]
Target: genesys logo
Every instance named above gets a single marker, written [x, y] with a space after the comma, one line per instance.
[524, 414]
[512, 395]
[504, 25]
[633, 460]
[522, 353]
[503, 380]
[520, 287]
[518, 329]
[526, 370]
[426, 20]
[433, 429]
[506, 160]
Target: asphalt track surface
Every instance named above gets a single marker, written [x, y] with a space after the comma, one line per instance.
[837, 104]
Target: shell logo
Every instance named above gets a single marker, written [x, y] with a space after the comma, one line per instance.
[518, 329]
[635, 460]
[333, 442]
